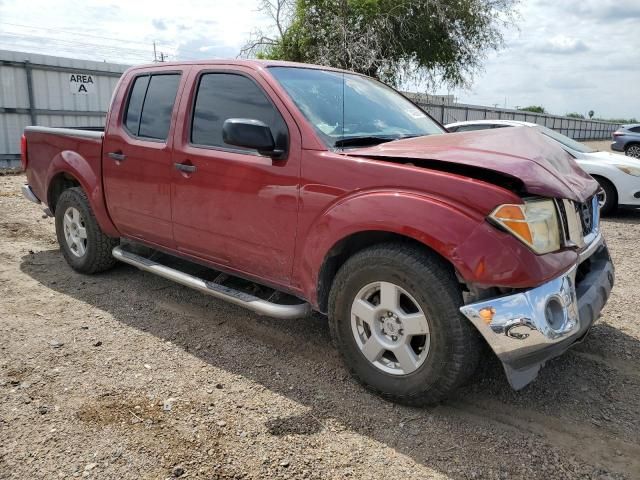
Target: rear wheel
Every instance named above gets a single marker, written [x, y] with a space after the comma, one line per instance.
[607, 196]
[394, 316]
[632, 150]
[84, 246]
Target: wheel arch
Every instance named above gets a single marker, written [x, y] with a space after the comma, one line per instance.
[58, 184]
[348, 246]
[598, 177]
[69, 169]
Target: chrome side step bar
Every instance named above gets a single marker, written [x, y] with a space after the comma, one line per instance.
[255, 304]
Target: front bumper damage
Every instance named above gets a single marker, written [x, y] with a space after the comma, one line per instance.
[528, 328]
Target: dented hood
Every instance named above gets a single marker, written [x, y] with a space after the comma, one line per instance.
[539, 163]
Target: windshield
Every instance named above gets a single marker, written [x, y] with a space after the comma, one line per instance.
[566, 141]
[352, 110]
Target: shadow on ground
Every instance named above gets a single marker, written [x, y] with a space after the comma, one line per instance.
[580, 400]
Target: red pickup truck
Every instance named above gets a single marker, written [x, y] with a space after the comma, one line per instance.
[285, 187]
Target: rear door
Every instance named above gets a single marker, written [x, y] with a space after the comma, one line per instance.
[137, 164]
[236, 208]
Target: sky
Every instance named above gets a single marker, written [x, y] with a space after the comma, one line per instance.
[566, 55]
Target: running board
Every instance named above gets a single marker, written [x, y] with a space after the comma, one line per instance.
[251, 302]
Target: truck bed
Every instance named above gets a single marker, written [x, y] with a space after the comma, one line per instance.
[51, 150]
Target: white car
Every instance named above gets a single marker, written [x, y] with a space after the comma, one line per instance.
[618, 175]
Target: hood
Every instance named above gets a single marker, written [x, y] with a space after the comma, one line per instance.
[611, 158]
[541, 165]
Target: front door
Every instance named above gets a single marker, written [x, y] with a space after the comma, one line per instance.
[137, 164]
[233, 206]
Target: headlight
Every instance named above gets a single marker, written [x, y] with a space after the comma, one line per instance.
[635, 171]
[535, 223]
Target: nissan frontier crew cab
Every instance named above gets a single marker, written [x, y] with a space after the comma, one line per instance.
[286, 188]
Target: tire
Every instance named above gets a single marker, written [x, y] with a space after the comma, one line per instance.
[610, 193]
[454, 345]
[85, 247]
[632, 150]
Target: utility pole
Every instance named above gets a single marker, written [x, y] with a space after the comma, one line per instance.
[163, 56]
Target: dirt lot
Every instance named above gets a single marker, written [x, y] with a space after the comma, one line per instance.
[125, 375]
[604, 145]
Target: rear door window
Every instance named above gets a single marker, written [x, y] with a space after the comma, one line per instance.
[132, 117]
[150, 105]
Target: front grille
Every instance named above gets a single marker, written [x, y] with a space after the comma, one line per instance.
[585, 211]
[579, 221]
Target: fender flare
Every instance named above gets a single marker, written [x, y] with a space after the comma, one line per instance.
[75, 165]
[480, 253]
[437, 224]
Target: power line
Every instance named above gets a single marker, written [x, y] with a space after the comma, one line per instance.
[73, 32]
[191, 53]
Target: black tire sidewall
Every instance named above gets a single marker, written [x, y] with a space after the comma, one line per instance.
[73, 198]
[439, 306]
[612, 196]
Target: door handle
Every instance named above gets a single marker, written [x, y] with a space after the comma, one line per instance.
[117, 156]
[185, 167]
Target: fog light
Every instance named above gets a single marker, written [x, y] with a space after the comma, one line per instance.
[554, 313]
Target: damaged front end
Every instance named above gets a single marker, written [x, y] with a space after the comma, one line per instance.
[527, 328]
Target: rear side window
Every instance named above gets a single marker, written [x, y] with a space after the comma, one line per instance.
[635, 129]
[221, 96]
[132, 118]
[150, 105]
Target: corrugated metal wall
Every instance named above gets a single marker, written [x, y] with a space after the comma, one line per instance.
[53, 103]
[578, 129]
[34, 90]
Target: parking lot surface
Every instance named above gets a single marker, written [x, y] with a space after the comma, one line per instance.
[126, 375]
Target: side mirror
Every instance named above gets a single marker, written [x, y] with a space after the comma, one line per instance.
[248, 133]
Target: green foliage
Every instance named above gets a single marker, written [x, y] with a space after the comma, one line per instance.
[394, 40]
[534, 109]
[621, 121]
[574, 115]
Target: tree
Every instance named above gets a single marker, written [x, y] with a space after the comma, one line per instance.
[574, 115]
[534, 109]
[591, 113]
[428, 41]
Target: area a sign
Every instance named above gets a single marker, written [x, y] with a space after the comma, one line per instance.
[81, 84]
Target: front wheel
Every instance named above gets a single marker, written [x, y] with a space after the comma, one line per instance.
[394, 316]
[607, 196]
[84, 246]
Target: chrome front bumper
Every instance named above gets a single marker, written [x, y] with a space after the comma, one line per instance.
[528, 328]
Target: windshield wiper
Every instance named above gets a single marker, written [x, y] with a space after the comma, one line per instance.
[362, 141]
[371, 140]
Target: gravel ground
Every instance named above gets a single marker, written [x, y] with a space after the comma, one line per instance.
[126, 375]
[603, 145]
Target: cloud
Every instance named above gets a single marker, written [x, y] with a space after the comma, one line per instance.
[159, 24]
[563, 45]
[205, 47]
[603, 11]
[570, 82]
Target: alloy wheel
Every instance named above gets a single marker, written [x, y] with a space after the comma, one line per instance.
[75, 232]
[390, 328]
